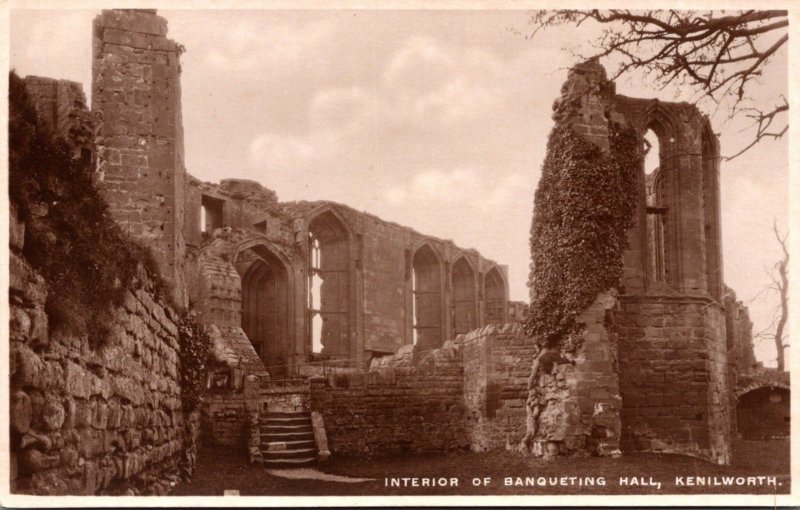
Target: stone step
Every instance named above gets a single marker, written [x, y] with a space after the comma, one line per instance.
[277, 429]
[288, 445]
[299, 453]
[291, 463]
[286, 436]
[299, 420]
[282, 414]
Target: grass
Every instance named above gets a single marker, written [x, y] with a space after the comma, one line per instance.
[221, 468]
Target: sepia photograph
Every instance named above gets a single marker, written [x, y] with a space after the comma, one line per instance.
[395, 253]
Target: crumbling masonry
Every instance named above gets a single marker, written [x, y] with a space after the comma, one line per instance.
[361, 335]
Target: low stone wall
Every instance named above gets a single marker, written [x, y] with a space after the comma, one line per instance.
[497, 363]
[673, 376]
[227, 414]
[579, 402]
[224, 419]
[392, 409]
[279, 397]
[92, 421]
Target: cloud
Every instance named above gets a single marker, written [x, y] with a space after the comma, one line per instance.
[457, 186]
[246, 45]
[53, 43]
[280, 151]
[420, 65]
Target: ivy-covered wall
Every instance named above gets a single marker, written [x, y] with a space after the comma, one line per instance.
[663, 342]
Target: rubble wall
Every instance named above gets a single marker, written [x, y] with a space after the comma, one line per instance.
[395, 409]
[497, 364]
[88, 420]
[578, 394]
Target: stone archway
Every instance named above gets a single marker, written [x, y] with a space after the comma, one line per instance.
[464, 297]
[265, 307]
[494, 297]
[427, 292]
[763, 411]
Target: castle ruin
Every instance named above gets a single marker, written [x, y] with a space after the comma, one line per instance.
[334, 331]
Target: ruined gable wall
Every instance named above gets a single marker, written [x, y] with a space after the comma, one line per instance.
[85, 420]
[140, 164]
[244, 204]
[380, 293]
[383, 251]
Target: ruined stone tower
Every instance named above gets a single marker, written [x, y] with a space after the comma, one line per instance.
[136, 98]
[670, 321]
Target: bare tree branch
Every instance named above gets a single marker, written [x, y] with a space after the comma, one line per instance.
[720, 57]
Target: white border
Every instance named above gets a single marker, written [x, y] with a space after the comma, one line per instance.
[24, 501]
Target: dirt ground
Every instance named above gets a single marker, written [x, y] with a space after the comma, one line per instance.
[224, 468]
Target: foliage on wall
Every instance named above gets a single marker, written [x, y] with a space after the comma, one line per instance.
[583, 207]
[194, 344]
[70, 237]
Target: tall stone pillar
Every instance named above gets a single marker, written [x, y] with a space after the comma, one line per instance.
[140, 164]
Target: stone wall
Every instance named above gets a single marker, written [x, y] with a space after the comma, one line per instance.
[673, 376]
[402, 409]
[764, 413]
[92, 420]
[377, 301]
[61, 105]
[578, 395]
[497, 364]
[387, 288]
[137, 103]
[674, 367]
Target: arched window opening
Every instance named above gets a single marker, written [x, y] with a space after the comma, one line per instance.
[328, 287]
[656, 208]
[265, 308]
[652, 155]
[427, 291]
[464, 319]
[495, 292]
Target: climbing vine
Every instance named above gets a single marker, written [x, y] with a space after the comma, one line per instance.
[194, 343]
[583, 207]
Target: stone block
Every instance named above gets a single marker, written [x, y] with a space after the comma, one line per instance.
[19, 324]
[33, 461]
[16, 229]
[28, 368]
[20, 413]
[53, 414]
[78, 382]
[39, 330]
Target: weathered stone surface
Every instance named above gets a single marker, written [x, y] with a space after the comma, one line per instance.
[20, 414]
[32, 461]
[16, 229]
[67, 410]
[24, 283]
[422, 410]
[667, 389]
[53, 414]
[136, 93]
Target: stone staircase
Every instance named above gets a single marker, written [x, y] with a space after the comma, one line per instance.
[287, 439]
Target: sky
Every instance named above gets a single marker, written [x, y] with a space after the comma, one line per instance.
[437, 120]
